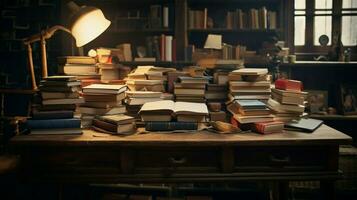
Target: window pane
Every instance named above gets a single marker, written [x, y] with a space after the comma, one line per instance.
[323, 4]
[323, 12]
[349, 4]
[349, 31]
[299, 34]
[300, 4]
[322, 26]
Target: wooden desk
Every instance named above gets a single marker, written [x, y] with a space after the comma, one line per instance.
[181, 157]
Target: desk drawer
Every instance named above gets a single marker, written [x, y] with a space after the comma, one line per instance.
[172, 160]
[280, 158]
[73, 160]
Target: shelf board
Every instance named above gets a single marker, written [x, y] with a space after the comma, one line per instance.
[225, 30]
[157, 63]
[312, 64]
[158, 30]
[334, 117]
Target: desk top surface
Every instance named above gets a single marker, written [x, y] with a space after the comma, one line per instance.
[322, 136]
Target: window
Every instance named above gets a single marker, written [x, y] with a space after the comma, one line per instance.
[349, 23]
[333, 18]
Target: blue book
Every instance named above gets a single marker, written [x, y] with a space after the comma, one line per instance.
[54, 123]
[170, 126]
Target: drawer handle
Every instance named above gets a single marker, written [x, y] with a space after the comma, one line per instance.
[280, 160]
[177, 160]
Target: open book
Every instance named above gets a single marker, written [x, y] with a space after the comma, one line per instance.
[165, 110]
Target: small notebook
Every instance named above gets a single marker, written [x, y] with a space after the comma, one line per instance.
[306, 125]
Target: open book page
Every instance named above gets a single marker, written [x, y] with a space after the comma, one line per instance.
[190, 108]
[158, 106]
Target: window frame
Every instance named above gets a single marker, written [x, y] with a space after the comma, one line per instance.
[309, 48]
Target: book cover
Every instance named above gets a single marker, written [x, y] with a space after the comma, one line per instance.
[170, 126]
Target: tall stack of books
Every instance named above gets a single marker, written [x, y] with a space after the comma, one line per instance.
[101, 99]
[83, 67]
[249, 83]
[249, 89]
[148, 78]
[288, 101]
[55, 114]
[190, 89]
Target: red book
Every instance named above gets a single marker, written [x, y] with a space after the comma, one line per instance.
[286, 84]
[173, 49]
[268, 127]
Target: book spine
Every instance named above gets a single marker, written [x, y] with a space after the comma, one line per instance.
[162, 47]
[166, 17]
[170, 126]
[168, 48]
[54, 123]
[174, 56]
[104, 125]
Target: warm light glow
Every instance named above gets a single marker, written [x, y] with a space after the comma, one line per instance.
[89, 26]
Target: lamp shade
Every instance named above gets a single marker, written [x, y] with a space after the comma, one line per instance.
[87, 24]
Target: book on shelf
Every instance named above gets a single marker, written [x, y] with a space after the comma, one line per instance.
[103, 104]
[126, 49]
[165, 109]
[149, 85]
[104, 89]
[218, 116]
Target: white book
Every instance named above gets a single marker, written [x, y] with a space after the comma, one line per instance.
[104, 89]
[168, 48]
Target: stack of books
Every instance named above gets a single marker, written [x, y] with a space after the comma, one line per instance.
[249, 83]
[101, 99]
[288, 101]
[136, 99]
[83, 67]
[114, 124]
[168, 114]
[190, 89]
[55, 114]
[249, 111]
[148, 78]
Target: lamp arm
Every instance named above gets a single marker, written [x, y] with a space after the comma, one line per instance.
[45, 34]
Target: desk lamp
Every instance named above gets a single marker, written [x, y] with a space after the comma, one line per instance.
[85, 24]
